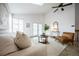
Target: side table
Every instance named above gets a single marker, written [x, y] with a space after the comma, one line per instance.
[43, 39]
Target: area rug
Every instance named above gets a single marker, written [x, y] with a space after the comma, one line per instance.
[70, 50]
[54, 47]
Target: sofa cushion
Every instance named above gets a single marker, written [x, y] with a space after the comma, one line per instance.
[22, 40]
[7, 45]
[33, 50]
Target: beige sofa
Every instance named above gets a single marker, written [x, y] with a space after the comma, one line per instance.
[8, 48]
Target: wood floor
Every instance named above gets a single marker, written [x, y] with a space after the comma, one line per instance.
[71, 50]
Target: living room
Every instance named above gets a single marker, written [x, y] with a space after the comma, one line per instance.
[31, 19]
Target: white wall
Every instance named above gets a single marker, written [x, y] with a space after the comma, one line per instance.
[65, 18]
[30, 18]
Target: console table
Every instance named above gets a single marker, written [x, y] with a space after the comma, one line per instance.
[57, 33]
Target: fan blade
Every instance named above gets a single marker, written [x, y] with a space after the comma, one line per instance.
[67, 4]
[60, 5]
[55, 7]
[55, 10]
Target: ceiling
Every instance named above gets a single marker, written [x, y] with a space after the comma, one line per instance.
[30, 8]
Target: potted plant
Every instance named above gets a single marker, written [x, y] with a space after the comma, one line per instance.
[46, 27]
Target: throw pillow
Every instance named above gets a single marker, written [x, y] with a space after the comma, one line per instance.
[22, 40]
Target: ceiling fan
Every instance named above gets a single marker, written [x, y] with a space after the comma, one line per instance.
[61, 5]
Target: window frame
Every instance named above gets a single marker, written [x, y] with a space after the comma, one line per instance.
[18, 23]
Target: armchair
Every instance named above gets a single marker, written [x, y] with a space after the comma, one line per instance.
[66, 37]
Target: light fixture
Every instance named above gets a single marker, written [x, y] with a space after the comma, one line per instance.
[39, 4]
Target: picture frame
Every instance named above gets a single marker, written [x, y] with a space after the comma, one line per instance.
[4, 17]
[27, 25]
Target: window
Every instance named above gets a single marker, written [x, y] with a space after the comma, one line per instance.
[17, 25]
[10, 23]
[40, 29]
[37, 29]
